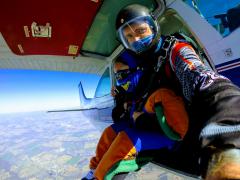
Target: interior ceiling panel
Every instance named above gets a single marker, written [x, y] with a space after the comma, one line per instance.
[90, 65]
[46, 27]
[74, 36]
[101, 38]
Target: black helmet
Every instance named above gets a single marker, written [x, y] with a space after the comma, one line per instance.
[136, 13]
[130, 12]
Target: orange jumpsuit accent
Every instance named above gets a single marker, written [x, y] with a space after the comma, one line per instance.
[111, 148]
[173, 108]
[104, 143]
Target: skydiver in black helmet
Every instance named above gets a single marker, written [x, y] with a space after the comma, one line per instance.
[213, 100]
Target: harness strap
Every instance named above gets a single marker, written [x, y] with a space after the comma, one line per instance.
[168, 131]
[143, 98]
[168, 43]
[165, 50]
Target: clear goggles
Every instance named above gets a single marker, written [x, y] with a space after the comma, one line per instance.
[122, 74]
[136, 27]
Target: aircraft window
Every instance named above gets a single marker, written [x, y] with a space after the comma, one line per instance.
[104, 84]
[171, 23]
[223, 15]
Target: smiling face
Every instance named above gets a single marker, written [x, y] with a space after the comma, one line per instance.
[136, 31]
[138, 34]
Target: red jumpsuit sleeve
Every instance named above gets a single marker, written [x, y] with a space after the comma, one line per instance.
[192, 74]
[214, 99]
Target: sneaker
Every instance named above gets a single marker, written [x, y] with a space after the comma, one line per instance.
[90, 175]
[224, 165]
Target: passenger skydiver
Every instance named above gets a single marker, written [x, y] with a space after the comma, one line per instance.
[137, 130]
[213, 101]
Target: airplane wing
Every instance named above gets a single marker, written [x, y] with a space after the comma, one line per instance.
[79, 36]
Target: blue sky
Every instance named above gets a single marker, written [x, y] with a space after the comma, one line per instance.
[29, 90]
[210, 8]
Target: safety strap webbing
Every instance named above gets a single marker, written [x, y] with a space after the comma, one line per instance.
[164, 126]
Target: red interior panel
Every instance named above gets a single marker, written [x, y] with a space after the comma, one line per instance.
[70, 21]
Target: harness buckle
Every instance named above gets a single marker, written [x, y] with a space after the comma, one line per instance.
[168, 42]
